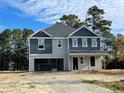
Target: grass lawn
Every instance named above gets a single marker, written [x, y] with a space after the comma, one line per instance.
[117, 87]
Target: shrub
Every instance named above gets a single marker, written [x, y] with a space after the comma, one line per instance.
[115, 65]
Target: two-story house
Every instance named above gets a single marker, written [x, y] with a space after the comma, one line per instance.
[61, 47]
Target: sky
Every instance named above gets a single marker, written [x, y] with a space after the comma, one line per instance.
[40, 14]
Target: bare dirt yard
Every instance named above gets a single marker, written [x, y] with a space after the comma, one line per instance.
[57, 82]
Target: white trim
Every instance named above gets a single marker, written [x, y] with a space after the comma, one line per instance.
[46, 55]
[34, 33]
[81, 28]
[75, 44]
[91, 31]
[63, 37]
[40, 38]
[95, 42]
[43, 44]
[91, 54]
[68, 44]
[59, 38]
[75, 31]
[47, 38]
[85, 39]
[39, 31]
[47, 33]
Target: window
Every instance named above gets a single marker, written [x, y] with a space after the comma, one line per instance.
[41, 45]
[84, 42]
[74, 42]
[81, 60]
[92, 61]
[59, 43]
[94, 42]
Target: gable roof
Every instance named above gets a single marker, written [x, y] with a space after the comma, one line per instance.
[83, 31]
[62, 30]
[59, 30]
[40, 33]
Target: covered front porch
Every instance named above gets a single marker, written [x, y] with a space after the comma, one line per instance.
[85, 61]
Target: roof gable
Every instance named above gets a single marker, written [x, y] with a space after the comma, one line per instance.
[40, 34]
[83, 31]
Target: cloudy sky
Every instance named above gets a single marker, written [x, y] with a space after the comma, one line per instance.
[39, 14]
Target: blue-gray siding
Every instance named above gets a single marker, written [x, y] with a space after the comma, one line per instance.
[80, 48]
[34, 47]
[83, 32]
[41, 34]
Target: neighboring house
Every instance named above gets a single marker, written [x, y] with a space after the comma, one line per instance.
[61, 47]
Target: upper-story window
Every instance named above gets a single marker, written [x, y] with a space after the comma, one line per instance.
[41, 45]
[74, 42]
[94, 42]
[59, 43]
[84, 42]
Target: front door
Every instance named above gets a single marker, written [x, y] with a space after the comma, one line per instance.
[75, 63]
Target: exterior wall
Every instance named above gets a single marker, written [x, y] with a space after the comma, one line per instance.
[57, 52]
[98, 64]
[34, 47]
[89, 42]
[86, 64]
[31, 63]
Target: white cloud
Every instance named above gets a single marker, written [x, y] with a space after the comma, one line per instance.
[2, 28]
[49, 11]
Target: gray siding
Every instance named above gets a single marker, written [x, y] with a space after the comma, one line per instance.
[34, 47]
[41, 34]
[89, 41]
[84, 32]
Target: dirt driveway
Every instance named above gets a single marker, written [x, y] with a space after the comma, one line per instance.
[54, 82]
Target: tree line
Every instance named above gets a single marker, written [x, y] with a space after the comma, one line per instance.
[14, 48]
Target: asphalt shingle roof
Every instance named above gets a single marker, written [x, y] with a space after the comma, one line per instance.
[59, 30]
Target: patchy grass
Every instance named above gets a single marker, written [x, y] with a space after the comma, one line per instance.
[38, 82]
[117, 86]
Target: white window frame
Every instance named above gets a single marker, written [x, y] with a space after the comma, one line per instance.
[59, 41]
[94, 42]
[41, 42]
[74, 42]
[84, 40]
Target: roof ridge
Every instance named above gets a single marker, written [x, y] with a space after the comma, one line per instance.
[65, 25]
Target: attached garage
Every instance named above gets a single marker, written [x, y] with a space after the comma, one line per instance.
[48, 64]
